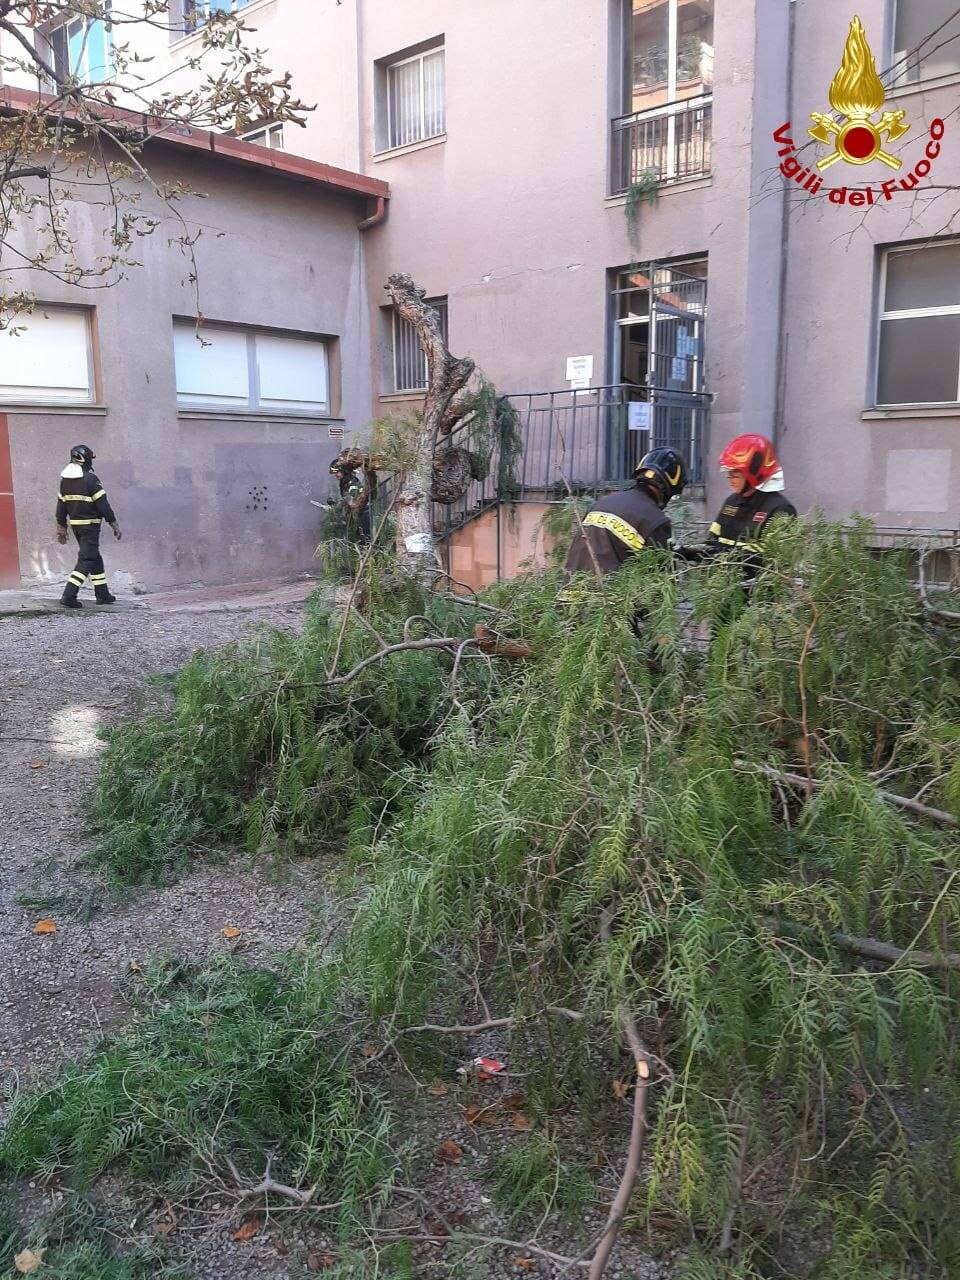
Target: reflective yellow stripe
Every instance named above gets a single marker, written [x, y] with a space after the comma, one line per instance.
[715, 528]
[77, 497]
[98, 577]
[75, 522]
[619, 528]
[77, 579]
[101, 493]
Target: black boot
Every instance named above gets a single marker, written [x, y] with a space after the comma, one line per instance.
[103, 596]
[69, 598]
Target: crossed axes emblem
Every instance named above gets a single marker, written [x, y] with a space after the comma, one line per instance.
[859, 140]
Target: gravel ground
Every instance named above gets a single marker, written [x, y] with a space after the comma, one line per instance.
[63, 676]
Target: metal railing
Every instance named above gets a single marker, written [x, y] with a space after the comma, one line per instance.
[672, 142]
[583, 442]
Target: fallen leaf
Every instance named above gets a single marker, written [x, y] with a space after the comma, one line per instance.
[231, 931]
[316, 1262]
[38, 764]
[369, 1050]
[621, 1088]
[28, 1260]
[520, 1121]
[525, 1263]
[513, 1102]
[249, 1229]
[437, 1091]
[45, 926]
[450, 1152]
[480, 1115]
[163, 1228]
[434, 1227]
[280, 1246]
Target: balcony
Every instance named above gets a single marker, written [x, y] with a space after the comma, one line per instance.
[672, 143]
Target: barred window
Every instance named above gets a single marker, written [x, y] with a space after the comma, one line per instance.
[415, 98]
[409, 362]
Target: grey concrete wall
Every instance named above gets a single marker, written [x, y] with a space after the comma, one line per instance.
[272, 253]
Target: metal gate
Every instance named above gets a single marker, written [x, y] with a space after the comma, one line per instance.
[678, 308]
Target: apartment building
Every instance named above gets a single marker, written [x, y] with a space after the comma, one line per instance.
[595, 194]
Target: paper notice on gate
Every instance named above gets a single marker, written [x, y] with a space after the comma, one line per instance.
[638, 415]
[418, 543]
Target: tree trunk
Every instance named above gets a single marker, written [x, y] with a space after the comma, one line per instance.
[446, 377]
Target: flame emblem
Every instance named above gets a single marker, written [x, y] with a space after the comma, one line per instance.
[857, 93]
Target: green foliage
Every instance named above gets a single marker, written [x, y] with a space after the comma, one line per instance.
[232, 1061]
[532, 1177]
[560, 522]
[258, 751]
[643, 190]
[492, 833]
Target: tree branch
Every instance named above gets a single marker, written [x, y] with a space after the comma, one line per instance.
[638, 1129]
[900, 802]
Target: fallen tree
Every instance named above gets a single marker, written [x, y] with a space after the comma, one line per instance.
[677, 878]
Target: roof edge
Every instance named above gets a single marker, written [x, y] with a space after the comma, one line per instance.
[219, 146]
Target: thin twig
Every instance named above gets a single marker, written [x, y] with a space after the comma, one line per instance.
[901, 802]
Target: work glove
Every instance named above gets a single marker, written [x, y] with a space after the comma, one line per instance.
[116, 531]
[61, 534]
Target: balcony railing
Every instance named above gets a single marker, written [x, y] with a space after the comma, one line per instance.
[585, 442]
[670, 142]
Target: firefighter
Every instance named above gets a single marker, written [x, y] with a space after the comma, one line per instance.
[756, 478]
[82, 505]
[621, 524]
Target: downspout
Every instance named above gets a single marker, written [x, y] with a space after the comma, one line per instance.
[778, 423]
[376, 218]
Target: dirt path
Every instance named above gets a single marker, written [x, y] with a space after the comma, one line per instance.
[63, 677]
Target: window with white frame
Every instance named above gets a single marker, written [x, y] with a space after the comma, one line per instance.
[251, 370]
[409, 362]
[918, 359]
[46, 356]
[187, 16]
[82, 48]
[926, 40]
[270, 136]
[415, 98]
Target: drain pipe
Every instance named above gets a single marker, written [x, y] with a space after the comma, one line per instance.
[376, 218]
[778, 424]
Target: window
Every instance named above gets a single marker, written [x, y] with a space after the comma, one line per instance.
[926, 40]
[669, 46]
[187, 16]
[409, 362]
[270, 136]
[919, 349]
[415, 98]
[250, 370]
[46, 356]
[83, 48]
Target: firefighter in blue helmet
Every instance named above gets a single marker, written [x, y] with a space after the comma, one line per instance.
[83, 507]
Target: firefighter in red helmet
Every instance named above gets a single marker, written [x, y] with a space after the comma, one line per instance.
[756, 478]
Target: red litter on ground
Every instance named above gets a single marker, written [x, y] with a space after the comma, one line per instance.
[482, 1068]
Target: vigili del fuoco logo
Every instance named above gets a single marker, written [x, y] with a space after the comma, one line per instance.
[857, 138]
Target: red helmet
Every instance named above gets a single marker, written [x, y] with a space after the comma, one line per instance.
[752, 456]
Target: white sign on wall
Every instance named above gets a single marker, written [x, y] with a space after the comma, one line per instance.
[579, 371]
[638, 415]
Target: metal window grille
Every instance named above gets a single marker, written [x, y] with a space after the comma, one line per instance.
[415, 98]
[409, 362]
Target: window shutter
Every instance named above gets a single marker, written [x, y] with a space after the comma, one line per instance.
[49, 359]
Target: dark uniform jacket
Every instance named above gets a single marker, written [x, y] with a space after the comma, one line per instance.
[82, 501]
[617, 527]
[743, 521]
